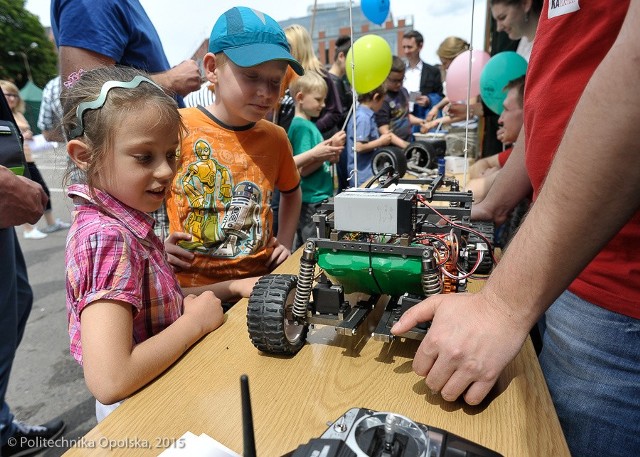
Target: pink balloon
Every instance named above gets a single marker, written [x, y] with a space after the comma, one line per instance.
[458, 75]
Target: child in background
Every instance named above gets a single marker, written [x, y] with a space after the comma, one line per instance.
[128, 318]
[394, 115]
[312, 154]
[232, 160]
[368, 137]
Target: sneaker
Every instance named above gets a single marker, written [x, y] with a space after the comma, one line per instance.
[30, 439]
[34, 234]
[56, 226]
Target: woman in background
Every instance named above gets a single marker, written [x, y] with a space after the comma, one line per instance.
[17, 105]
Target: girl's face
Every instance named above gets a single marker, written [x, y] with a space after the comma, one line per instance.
[312, 103]
[510, 19]
[246, 95]
[142, 162]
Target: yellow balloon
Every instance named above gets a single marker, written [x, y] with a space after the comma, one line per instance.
[371, 58]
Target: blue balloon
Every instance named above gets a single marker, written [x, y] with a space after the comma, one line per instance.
[496, 74]
[375, 10]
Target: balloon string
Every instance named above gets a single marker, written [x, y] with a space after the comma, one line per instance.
[466, 127]
[353, 95]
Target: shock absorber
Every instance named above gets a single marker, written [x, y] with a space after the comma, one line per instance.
[430, 280]
[305, 280]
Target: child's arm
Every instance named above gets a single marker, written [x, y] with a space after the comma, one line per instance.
[115, 367]
[226, 291]
[395, 139]
[383, 140]
[289, 216]
[311, 160]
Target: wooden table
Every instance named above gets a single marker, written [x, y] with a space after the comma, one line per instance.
[294, 397]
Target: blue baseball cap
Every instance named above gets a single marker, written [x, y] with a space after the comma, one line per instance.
[249, 37]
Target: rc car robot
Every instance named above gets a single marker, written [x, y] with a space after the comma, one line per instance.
[394, 240]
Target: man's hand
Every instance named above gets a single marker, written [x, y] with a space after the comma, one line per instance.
[471, 340]
[182, 79]
[21, 200]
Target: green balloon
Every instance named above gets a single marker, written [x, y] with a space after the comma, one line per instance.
[372, 57]
[496, 74]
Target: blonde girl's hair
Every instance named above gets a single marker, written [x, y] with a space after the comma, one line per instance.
[452, 47]
[99, 125]
[307, 83]
[302, 48]
[9, 87]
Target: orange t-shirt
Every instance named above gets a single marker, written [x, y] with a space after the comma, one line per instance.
[221, 195]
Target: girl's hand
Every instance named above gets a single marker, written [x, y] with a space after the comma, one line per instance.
[204, 310]
[278, 255]
[179, 258]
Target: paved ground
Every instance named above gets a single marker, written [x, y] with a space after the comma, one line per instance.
[46, 382]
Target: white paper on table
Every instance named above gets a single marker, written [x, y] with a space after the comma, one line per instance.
[198, 446]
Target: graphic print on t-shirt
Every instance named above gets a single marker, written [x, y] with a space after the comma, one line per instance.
[222, 217]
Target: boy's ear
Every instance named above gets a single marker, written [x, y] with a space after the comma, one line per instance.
[209, 64]
[298, 97]
[79, 153]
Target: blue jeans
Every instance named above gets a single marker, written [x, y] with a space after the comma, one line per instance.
[591, 362]
[16, 299]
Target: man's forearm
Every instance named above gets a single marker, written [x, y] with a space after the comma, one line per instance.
[585, 200]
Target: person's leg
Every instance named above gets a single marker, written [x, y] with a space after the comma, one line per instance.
[591, 362]
[16, 300]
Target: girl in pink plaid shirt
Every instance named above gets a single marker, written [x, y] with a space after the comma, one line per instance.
[128, 318]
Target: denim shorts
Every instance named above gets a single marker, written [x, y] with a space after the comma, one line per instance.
[591, 362]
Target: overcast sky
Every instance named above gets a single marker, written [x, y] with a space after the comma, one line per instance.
[183, 25]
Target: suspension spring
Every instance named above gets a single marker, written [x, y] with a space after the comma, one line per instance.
[430, 279]
[305, 281]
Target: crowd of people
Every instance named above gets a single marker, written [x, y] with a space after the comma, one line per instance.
[178, 210]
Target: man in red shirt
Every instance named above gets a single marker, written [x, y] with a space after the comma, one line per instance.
[578, 248]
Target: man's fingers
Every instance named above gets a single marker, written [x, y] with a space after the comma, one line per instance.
[478, 391]
[422, 312]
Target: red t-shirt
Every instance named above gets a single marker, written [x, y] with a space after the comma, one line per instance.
[568, 49]
[503, 156]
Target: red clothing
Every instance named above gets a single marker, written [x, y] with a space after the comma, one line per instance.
[568, 49]
[503, 156]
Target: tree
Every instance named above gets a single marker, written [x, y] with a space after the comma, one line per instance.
[19, 29]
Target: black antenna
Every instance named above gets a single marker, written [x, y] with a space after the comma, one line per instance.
[248, 439]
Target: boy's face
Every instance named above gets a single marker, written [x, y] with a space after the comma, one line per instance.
[394, 81]
[245, 95]
[312, 102]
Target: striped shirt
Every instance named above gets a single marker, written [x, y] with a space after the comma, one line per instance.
[113, 254]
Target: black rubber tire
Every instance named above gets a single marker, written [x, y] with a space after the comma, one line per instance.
[422, 154]
[389, 156]
[487, 229]
[270, 303]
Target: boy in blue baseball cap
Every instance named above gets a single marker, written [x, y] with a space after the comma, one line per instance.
[232, 159]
